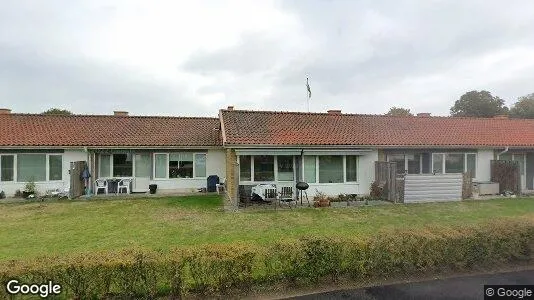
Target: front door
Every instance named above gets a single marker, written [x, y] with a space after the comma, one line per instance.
[143, 168]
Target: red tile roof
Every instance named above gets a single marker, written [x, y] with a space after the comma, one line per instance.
[106, 131]
[293, 128]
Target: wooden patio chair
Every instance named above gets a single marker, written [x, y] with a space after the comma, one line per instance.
[285, 195]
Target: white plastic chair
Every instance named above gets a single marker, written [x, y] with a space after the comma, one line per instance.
[221, 185]
[101, 184]
[124, 184]
[286, 195]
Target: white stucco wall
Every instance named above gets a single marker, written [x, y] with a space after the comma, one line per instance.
[484, 157]
[216, 163]
[69, 156]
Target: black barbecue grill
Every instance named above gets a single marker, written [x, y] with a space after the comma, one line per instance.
[302, 187]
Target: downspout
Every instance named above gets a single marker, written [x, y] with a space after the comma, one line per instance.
[505, 150]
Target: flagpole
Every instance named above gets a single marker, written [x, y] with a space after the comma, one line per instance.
[308, 92]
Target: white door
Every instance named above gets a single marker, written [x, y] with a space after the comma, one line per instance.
[142, 167]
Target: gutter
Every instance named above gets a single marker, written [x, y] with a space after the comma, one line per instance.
[505, 150]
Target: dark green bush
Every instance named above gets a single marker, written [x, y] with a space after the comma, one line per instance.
[219, 269]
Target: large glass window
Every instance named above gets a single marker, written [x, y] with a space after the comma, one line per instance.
[437, 163]
[521, 159]
[454, 163]
[200, 165]
[31, 167]
[285, 168]
[309, 169]
[55, 167]
[352, 168]
[330, 169]
[244, 168]
[399, 159]
[105, 165]
[264, 168]
[7, 168]
[142, 165]
[160, 165]
[122, 165]
[505, 156]
[471, 164]
[181, 165]
[414, 163]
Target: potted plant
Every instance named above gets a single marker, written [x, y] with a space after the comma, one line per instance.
[320, 200]
[29, 189]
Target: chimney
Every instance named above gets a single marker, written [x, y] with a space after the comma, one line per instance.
[501, 117]
[230, 108]
[120, 113]
[334, 112]
[425, 115]
[5, 111]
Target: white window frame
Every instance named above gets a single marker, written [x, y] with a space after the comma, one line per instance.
[47, 166]
[167, 154]
[443, 161]
[110, 165]
[14, 166]
[524, 161]
[317, 180]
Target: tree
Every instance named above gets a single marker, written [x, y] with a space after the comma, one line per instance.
[524, 107]
[56, 111]
[478, 104]
[399, 111]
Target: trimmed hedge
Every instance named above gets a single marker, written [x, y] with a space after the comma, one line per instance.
[219, 269]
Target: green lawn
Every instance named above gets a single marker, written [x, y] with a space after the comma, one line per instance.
[70, 227]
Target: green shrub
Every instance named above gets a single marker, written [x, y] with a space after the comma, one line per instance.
[220, 269]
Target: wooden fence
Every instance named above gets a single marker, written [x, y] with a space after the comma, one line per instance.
[506, 173]
[386, 177]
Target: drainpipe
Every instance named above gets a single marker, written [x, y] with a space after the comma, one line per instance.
[505, 150]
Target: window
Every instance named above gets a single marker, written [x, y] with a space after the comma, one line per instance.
[425, 161]
[244, 168]
[181, 165]
[330, 169]
[105, 165]
[471, 164]
[7, 167]
[31, 167]
[437, 163]
[309, 169]
[400, 160]
[122, 165]
[352, 168]
[142, 165]
[200, 165]
[454, 163]
[521, 159]
[451, 163]
[55, 167]
[264, 168]
[414, 163]
[285, 168]
[505, 156]
[160, 165]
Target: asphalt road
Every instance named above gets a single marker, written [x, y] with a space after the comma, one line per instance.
[471, 287]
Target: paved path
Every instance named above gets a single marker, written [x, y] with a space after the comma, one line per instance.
[471, 287]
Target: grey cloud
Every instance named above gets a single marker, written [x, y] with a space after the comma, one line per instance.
[39, 82]
[255, 52]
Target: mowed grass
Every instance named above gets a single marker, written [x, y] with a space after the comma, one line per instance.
[29, 230]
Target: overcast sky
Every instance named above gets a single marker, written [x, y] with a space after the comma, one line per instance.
[191, 58]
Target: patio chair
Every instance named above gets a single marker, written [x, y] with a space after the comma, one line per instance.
[286, 195]
[270, 194]
[221, 185]
[101, 184]
[124, 184]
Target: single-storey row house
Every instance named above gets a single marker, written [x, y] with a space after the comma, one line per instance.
[333, 152]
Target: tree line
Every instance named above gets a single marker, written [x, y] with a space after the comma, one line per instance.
[482, 104]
